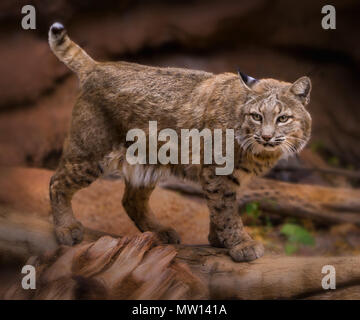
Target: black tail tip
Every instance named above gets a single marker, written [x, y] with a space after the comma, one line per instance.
[57, 28]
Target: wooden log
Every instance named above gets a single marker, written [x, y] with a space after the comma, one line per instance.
[351, 174]
[323, 204]
[139, 268]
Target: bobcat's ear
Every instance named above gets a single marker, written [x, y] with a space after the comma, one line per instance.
[246, 81]
[301, 89]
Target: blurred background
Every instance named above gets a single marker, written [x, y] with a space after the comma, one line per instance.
[266, 39]
[276, 39]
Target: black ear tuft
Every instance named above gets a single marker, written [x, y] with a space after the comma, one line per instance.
[249, 81]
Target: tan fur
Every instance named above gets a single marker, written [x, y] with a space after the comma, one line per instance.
[118, 96]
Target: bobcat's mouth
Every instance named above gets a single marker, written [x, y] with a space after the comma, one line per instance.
[271, 145]
[268, 144]
[256, 145]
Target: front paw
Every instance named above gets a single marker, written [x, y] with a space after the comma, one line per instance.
[70, 234]
[168, 236]
[247, 251]
[214, 240]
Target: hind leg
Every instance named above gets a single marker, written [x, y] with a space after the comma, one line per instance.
[136, 204]
[67, 180]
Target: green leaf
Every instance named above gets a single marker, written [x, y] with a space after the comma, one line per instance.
[290, 248]
[252, 207]
[297, 234]
[252, 210]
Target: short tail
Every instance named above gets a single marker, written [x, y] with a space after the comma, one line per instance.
[68, 51]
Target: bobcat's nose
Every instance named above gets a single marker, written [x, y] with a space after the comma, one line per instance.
[266, 137]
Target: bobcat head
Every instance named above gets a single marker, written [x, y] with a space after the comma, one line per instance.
[274, 116]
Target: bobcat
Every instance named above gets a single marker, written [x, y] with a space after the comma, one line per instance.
[268, 117]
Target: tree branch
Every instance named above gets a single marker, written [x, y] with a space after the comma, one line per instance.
[112, 267]
[323, 204]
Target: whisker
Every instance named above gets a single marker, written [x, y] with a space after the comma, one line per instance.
[299, 139]
[291, 146]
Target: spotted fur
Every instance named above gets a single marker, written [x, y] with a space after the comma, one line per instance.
[118, 96]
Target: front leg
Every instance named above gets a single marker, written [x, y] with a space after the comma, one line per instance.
[226, 227]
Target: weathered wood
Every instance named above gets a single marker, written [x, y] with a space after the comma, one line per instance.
[323, 204]
[107, 267]
[351, 174]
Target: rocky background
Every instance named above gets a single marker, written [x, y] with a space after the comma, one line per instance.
[278, 39]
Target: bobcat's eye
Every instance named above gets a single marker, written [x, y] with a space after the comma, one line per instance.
[283, 119]
[256, 116]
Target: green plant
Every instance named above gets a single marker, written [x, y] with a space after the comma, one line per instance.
[296, 235]
[334, 161]
[268, 223]
[253, 211]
